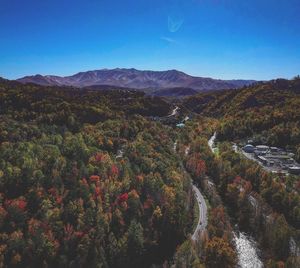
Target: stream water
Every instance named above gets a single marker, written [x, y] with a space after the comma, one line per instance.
[245, 245]
[247, 251]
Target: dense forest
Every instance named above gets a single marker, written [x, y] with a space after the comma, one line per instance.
[264, 205]
[87, 180]
[102, 178]
[240, 193]
[266, 112]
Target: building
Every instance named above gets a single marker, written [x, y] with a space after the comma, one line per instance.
[263, 160]
[274, 149]
[290, 161]
[294, 170]
[180, 125]
[262, 148]
[249, 148]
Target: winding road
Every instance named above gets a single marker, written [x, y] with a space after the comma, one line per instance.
[202, 221]
[174, 111]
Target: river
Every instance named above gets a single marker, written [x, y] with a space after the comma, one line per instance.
[245, 245]
[247, 251]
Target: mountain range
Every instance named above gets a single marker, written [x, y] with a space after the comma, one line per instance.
[150, 81]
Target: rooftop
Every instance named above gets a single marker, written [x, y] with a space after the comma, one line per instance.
[265, 147]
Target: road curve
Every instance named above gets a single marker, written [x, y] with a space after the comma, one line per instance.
[202, 221]
[174, 111]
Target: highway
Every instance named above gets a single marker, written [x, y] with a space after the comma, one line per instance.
[202, 221]
[174, 112]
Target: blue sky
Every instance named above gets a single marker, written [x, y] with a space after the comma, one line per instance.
[258, 39]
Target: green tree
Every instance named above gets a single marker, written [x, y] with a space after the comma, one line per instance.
[135, 240]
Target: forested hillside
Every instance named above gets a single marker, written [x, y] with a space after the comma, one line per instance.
[86, 180]
[264, 205]
[92, 178]
[243, 197]
[268, 112]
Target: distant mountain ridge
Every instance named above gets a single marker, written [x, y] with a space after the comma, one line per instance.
[136, 79]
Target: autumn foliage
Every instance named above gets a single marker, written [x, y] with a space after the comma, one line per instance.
[66, 199]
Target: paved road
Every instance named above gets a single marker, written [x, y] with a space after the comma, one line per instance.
[211, 141]
[202, 221]
[174, 112]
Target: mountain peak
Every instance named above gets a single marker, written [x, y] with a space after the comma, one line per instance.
[136, 79]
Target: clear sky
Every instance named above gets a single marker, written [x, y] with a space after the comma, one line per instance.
[251, 39]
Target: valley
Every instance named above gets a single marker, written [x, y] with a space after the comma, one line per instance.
[150, 134]
[122, 176]
[246, 247]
